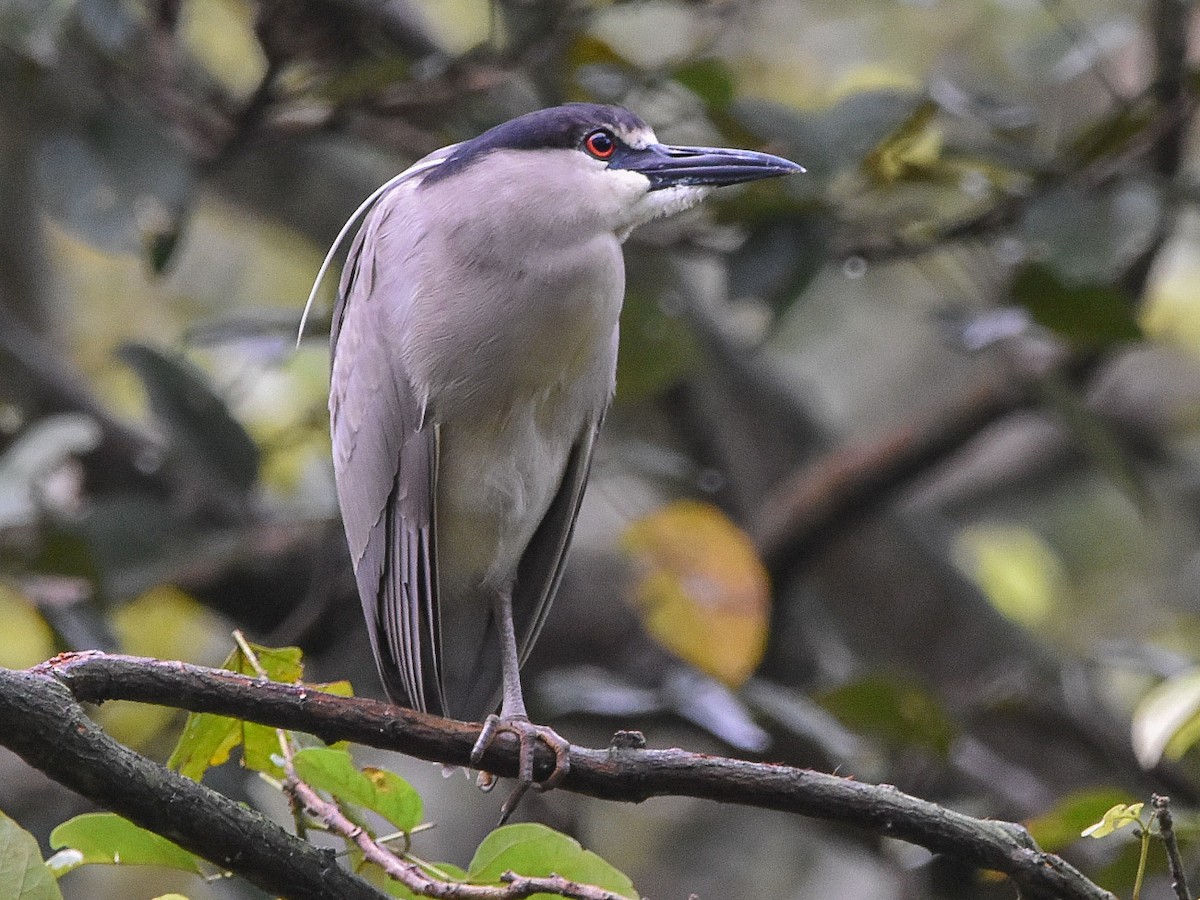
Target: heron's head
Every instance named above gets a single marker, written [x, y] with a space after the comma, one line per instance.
[589, 165]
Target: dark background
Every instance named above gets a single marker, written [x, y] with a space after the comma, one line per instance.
[946, 383]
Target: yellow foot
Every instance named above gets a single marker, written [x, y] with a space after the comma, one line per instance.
[527, 735]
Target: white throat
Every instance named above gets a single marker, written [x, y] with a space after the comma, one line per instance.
[661, 203]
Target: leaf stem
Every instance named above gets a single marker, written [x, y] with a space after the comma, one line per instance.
[1141, 869]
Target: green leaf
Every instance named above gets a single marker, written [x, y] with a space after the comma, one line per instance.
[1061, 826]
[537, 851]
[260, 747]
[377, 789]
[1089, 314]
[894, 709]
[1116, 818]
[341, 688]
[208, 739]
[109, 839]
[282, 664]
[23, 875]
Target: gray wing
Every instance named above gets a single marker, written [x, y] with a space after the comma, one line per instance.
[385, 459]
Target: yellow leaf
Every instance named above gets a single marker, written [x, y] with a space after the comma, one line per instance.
[220, 34]
[27, 638]
[1120, 816]
[1017, 570]
[702, 591]
[914, 147]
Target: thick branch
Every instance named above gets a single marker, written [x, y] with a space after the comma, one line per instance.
[41, 722]
[613, 774]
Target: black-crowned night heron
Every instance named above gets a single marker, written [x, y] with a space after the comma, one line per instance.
[474, 355]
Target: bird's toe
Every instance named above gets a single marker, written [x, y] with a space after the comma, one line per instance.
[528, 736]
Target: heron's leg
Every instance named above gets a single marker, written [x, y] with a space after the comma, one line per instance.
[512, 706]
[514, 719]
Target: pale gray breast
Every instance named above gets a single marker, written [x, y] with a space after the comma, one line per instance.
[509, 306]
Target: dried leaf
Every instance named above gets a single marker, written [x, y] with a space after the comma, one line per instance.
[702, 593]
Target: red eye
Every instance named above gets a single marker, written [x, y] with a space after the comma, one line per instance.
[601, 144]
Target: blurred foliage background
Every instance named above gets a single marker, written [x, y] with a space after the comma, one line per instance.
[902, 476]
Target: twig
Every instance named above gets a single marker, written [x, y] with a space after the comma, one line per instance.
[285, 743]
[1166, 830]
[413, 877]
[251, 656]
[614, 774]
[1143, 855]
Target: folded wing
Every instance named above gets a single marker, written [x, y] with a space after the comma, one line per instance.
[385, 458]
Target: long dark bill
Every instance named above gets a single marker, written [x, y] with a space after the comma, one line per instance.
[670, 166]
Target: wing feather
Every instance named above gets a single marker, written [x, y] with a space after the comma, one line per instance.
[385, 458]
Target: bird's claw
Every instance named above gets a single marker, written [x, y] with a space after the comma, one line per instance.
[527, 735]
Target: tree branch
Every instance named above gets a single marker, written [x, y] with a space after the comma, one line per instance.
[1166, 830]
[42, 723]
[616, 773]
